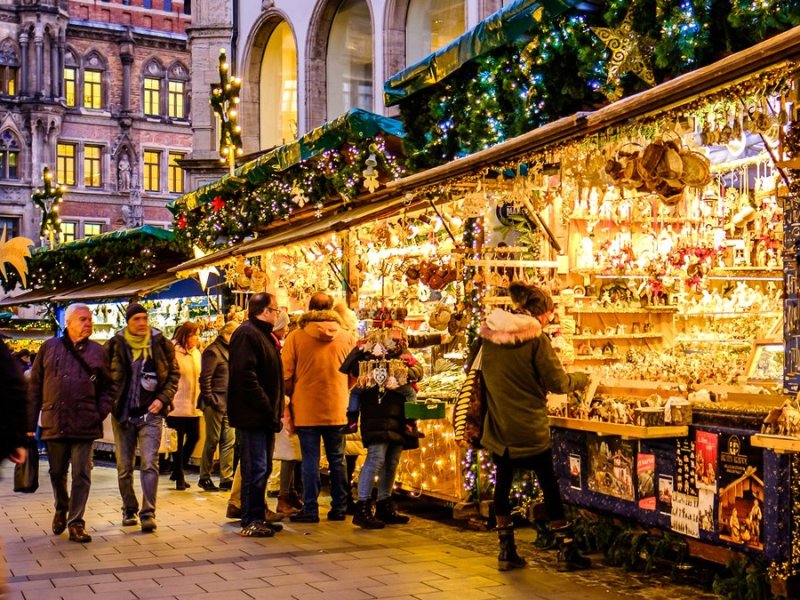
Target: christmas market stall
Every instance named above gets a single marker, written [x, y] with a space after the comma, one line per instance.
[664, 225]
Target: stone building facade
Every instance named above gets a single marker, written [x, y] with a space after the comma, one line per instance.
[305, 62]
[99, 91]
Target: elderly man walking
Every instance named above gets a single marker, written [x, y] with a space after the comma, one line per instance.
[255, 405]
[144, 375]
[70, 386]
[312, 355]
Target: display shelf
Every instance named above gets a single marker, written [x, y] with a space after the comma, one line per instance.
[700, 340]
[618, 336]
[589, 357]
[727, 315]
[779, 443]
[587, 310]
[501, 262]
[633, 432]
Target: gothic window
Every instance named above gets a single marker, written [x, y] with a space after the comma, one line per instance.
[431, 25]
[349, 68]
[9, 68]
[176, 91]
[153, 86]
[93, 73]
[152, 171]
[278, 88]
[92, 166]
[9, 156]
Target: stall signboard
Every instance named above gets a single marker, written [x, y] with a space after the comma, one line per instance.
[741, 491]
[611, 464]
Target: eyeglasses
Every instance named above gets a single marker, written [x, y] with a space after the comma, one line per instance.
[275, 310]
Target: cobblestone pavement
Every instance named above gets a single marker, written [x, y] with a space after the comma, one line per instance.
[196, 553]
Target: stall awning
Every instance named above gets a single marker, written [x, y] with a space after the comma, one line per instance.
[506, 25]
[30, 297]
[354, 125]
[334, 222]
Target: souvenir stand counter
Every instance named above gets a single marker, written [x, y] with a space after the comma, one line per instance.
[668, 243]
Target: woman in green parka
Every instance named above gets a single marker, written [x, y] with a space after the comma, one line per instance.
[519, 368]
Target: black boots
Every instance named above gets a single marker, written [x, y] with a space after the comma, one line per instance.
[364, 517]
[569, 557]
[508, 558]
[386, 512]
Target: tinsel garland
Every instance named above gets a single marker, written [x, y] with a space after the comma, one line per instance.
[562, 67]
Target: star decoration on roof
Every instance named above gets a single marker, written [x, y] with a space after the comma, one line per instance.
[203, 273]
[629, 54]
[217, 204]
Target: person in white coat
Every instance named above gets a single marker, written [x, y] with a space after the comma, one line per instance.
[185, 416]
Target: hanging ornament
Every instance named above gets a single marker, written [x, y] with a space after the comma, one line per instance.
[370, 174]
[217, 204]
[318, 210]
[182, 221]
[629, 54]
[298, 195]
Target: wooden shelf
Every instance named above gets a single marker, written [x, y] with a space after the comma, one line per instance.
[779, 443]
[618, 336]
[590, 357]
[633, 432]
[500, 262]
[727, 315]
[621, 311]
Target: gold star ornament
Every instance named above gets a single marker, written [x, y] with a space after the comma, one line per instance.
[630, 53]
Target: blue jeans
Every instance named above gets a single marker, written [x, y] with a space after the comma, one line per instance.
[382, 460]
[255, 457]
[333, 438]
[146, 432]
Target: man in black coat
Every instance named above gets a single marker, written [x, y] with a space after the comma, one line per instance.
[13, 421]
[71, 388]
[255, 405]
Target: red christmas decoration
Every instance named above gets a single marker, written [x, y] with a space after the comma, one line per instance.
[182, 221]
[218, 203]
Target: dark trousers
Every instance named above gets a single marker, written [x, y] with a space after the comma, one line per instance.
[333, 438]
[542, 465]
[188, 429]
[255, 456]
[62, 454]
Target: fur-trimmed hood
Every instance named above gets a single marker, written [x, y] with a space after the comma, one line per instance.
[323, 325]
[507, 329]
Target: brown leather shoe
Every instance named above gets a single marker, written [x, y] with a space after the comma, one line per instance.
[77, 533]
[59, 522]
[272, 517]
[285, 506]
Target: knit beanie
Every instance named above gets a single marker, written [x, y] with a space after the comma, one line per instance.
[134, 308]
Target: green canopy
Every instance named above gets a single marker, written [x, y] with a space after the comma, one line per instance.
[353, 125]
[500, 28]
[144, 231]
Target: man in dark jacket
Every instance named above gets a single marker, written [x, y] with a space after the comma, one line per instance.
[12, 409]
[71, 388]
[214, 403]
[144, 375]
[255, 405]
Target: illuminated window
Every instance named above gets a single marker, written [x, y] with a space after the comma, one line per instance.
[278, 88]
[92, 229]
[152, 96]
[175, 173]
[432, 24]
[65, 164]
[92, 89]
[9, 156]
[71, 85]
[8, 81]
[92, 171]
[176, 102]
[349, 68]
[152, 171]
[69, 230]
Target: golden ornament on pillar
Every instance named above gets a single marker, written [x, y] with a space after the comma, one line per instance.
[630, 53]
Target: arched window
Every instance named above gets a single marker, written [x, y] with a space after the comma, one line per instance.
[71, 72]
[432, 24]
[153, 92]
[177, 92]
[9, 156]
[93, 74]
[349, 67]
[9, 68]
[278, 88]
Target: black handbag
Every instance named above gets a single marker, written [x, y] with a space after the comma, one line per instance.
[26, 475]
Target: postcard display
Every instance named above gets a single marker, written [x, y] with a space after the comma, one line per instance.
[676, 295]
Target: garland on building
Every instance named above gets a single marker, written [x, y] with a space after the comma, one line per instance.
[579, 61]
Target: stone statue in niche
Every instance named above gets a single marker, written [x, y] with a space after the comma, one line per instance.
[124, 167]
